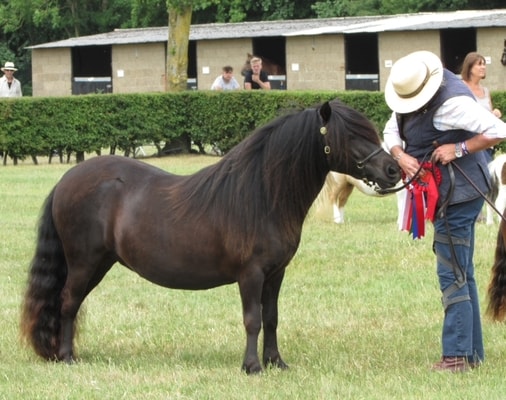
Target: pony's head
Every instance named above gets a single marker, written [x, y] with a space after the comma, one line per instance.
[352, 146]
[247, 64]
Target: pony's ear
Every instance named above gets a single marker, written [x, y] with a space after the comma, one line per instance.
[325, 112]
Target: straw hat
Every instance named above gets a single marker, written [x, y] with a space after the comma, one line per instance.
[413, 81]
[9, 66]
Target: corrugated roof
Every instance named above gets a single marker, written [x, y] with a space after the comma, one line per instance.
[417, 22]
[346, 25]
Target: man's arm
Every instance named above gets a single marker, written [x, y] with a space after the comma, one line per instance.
[470, 116]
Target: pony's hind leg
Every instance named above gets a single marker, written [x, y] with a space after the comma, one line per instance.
[67, 331]
[79, 284]
[270, 296]
[72, 298]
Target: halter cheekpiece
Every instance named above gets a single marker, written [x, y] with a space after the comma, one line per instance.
[326, 148]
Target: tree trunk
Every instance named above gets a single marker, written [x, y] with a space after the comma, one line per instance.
[177, 51]
[182, 144]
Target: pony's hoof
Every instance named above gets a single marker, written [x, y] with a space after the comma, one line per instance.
[254, 369]
[277, 363]
[66, 359]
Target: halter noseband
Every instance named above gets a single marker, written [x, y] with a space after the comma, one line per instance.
[361, 164]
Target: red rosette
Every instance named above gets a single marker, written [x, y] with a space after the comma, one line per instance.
[424, 196]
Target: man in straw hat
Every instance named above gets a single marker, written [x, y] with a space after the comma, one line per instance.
[436, 125]
[9, 86]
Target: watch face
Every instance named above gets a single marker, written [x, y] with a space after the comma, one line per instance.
[458, 150]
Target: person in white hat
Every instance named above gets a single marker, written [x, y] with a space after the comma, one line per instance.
[9, 86]
[436, 124]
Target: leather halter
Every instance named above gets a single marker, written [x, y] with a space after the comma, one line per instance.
[360, 164]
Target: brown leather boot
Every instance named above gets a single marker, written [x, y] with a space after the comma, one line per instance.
[474, 364]
[452, 364]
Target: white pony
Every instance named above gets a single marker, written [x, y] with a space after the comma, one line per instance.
[338, 188]
[497, 195]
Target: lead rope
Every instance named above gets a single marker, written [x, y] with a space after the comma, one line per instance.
[408, 182]
[442, 214]
[489, 202]
[458, 271]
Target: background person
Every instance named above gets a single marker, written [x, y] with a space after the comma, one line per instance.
[256, 78]
[474, 69]
[431, 105]
[9, 86]
[226, 80]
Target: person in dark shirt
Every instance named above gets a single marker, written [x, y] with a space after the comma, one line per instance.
[256, 78]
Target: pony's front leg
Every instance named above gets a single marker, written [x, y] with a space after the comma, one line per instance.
[251, 289]
[270, 296]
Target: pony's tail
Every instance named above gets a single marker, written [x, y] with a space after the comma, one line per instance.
[41, 309]
[497, 288]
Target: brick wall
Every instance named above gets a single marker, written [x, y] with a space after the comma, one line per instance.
[213, 55]
[51, 72]
[138, 68]
[315, 62]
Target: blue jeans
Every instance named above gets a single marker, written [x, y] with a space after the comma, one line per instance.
[462, 334]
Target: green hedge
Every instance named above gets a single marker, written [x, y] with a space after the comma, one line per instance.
[85, 124]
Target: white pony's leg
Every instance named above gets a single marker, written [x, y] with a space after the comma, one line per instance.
[500, 202]
[497, 171]
[490, 215]
[338, 187]
[401, 202]
[338, 214]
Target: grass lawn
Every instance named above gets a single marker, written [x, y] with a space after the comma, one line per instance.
[360, 316]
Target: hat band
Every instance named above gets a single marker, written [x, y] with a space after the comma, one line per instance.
[419, 88]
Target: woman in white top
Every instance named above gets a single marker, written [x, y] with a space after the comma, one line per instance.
[474, 69]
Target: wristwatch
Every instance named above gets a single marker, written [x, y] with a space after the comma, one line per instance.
[458, 150]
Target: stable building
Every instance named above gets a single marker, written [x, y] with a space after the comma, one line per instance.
[351, 53]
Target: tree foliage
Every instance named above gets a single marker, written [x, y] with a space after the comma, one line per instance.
[146, 13]
[263, 10]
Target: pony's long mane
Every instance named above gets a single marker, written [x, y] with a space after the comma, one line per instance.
[273, 175]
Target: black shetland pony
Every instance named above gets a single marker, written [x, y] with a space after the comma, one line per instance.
[239, 220]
